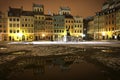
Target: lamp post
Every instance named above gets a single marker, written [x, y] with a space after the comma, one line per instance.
[103, 34]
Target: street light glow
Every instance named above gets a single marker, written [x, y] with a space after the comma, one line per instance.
[20, 34]
[103, 33]
[43, 35]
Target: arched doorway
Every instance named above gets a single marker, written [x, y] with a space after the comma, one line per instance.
[23, 38]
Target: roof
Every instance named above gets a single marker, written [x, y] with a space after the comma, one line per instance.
[38, 5]
[64, 8]
[48, 17]
[14, 12]
[27, 13]
[68, 16]
[38, 13]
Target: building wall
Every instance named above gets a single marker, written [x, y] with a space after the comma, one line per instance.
[14, 29]
[3, 27]
[27, 28]
[49, 28]
[106, 21]
[78, 27]
[59, 27]
[117, 31]
[23, 25]
[91, 29]
[39, 26]
[69, 22]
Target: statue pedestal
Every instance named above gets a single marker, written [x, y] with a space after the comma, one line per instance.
[66, 38]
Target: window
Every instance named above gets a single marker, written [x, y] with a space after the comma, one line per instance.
[79, 21]
[22, 25]
[17, 25]
[75, 31]
[71, 27]
[80, 31]
[55, 31]
[10, 19]
[31, 25]
[75, 25]
[14, 25]
[14, 31]
[25, 19]
[66, 21]
[0, 26]
[4, 31]
[17, 19]
[25, 25]
[17, 31]
[112, 21]
[14, 19]
[112, 29]
[10, 31]
[28, 25]
[42, 17]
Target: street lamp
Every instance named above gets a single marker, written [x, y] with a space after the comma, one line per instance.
[103, 33]
[83, 35]
[20, 35]
[43, 35]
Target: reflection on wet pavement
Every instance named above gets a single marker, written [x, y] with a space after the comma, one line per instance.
[81, 63]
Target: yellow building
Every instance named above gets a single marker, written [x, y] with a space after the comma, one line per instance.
[78, 27]
[69, 22]
[27, 26]
[14, 33]
[20, 25]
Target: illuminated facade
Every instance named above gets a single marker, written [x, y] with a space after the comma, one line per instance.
[48, 28]
[106, 21]
[27, 26]
[22, 25]
[78, 27]
[64, 22]
[3, 27]
[13, 22]
[39, 21]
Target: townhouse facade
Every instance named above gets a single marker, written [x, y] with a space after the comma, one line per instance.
[3, 27]
[23, 25]
[106, 22]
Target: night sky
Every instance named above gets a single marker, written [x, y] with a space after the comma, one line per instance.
[78, 7]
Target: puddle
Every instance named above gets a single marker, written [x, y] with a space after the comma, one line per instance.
[52, 68]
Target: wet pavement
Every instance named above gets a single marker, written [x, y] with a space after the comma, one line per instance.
[59, 62]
